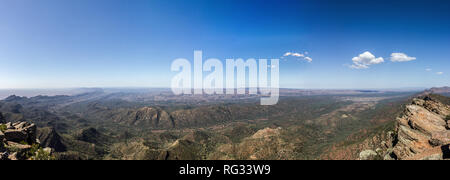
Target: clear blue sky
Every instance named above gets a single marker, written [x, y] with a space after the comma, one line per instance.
[122, 43]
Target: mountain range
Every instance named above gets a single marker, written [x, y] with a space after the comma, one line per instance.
[305, 124]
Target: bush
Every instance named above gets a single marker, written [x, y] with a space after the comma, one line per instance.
[3, 127]
[42, 155]
[38, 153]
[447, 118]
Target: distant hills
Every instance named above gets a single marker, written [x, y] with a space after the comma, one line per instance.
[442, 91]
[305, 124]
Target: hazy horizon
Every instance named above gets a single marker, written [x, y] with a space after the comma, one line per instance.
[4, 93]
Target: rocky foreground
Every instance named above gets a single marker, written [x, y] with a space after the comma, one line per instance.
[422, 133]
[18, 142]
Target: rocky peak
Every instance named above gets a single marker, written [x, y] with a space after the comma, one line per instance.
[48, 137]
[423, 132]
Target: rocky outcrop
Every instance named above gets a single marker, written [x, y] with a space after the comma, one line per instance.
[368, 155]
[422, 131]
[20, 132]
[18, 142]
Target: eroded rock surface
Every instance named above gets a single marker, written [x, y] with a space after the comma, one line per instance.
[18, 142]
[423, 130]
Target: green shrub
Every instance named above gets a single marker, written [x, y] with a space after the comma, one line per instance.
[37, 153]
[3, 127]
[447, 118]
[42, 155]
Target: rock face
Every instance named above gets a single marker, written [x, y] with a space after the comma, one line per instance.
[422, 132]
[21, 132]
[18, 142]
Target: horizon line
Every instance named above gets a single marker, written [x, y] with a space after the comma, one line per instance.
[143, 87]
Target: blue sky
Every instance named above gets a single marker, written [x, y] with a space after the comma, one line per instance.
[119, 43]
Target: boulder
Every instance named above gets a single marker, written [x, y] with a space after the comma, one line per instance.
[368, 155]
[19, 125]
[48, 150]
[440, 138]
[21, 132]
[9, 125]
[18, 147]
[16, 135]
[19, 151]
[435, 153]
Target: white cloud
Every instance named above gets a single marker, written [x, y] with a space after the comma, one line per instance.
[428, 69]
[287, 54]
[308, 59]
[401, 57]
[440, 73]
[298, 55]
[364, 60]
